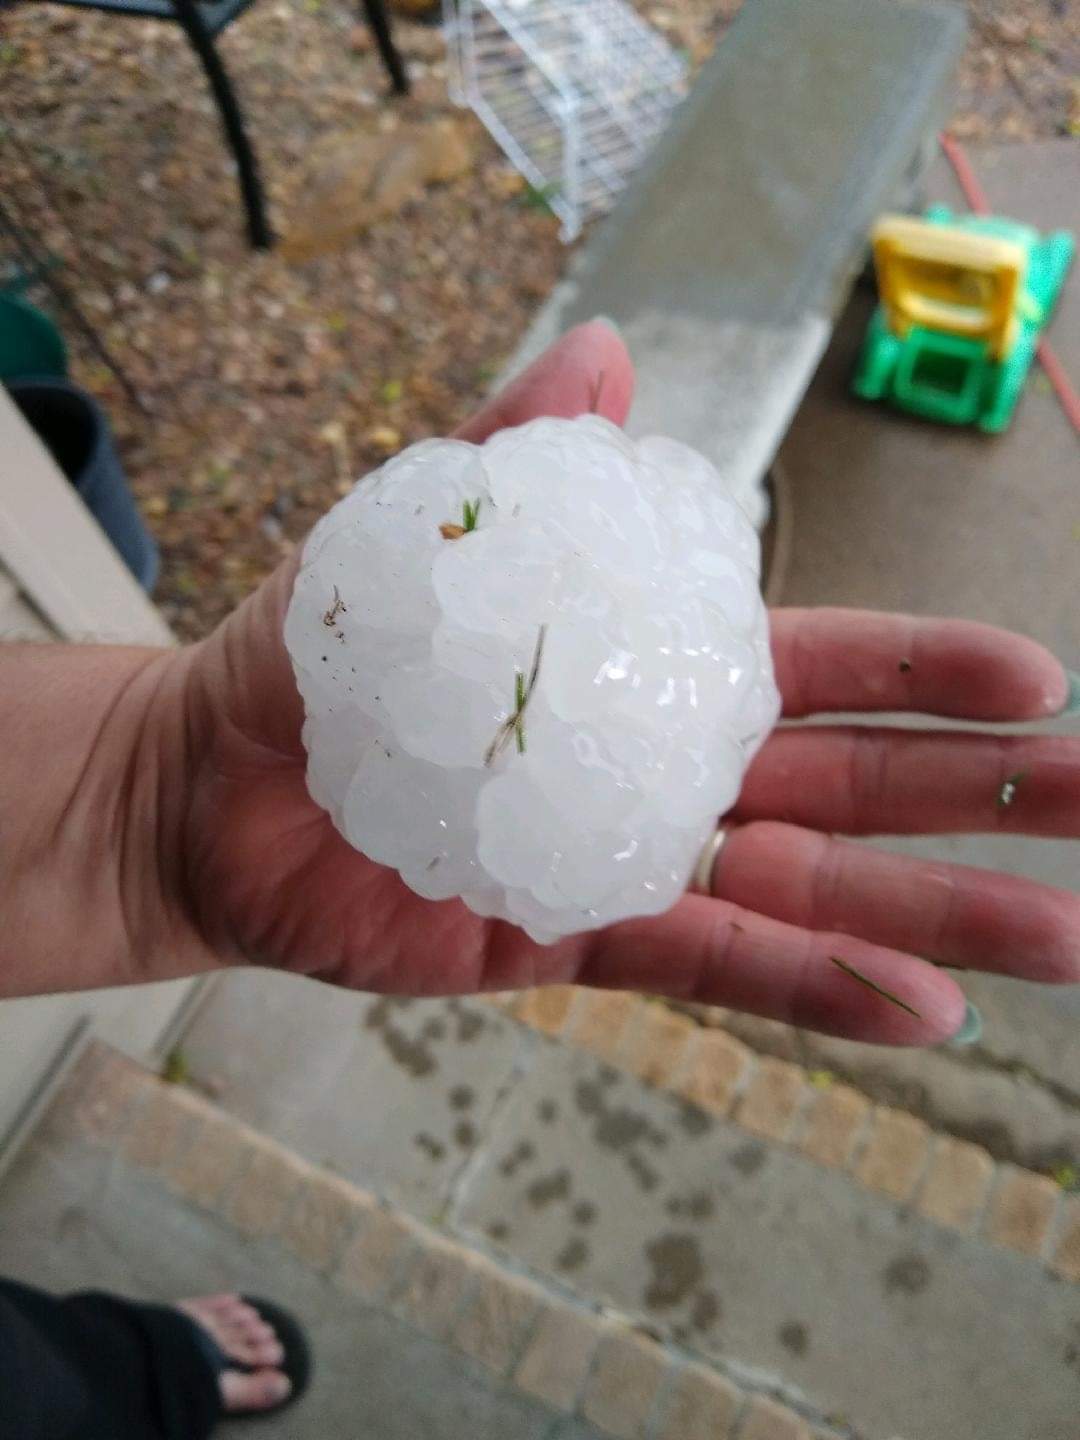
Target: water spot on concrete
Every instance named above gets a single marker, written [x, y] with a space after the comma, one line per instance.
[794, 1336]
[677, 1269]
[749, 1158]
[469, 1026]
[693, 1121]
[697, 1206]
[521, 1154]
[71, 1223]
[461, 1097]
[548, 1188]
[573, 1254]
[434, 1029]
[617, 1127]
[908, 1274]
[465, 1134]
[498, 1230]
[548, 1111]
[705, 1311]
[584, 1212]
[589, 1097]
[642, 1172]
[413, 1056]
[432, 1148]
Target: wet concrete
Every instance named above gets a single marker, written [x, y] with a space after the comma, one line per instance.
[76, 1218]
[757, 1258]
[392, 1093]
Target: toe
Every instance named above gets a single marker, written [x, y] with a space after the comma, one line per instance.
[215, 1304]
[253, 1392]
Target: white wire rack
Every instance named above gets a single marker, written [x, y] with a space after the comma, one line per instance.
[574, 92]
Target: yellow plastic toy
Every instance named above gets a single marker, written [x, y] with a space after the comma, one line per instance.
[963, 302]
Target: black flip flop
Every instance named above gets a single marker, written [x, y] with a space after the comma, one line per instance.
[296, 1363]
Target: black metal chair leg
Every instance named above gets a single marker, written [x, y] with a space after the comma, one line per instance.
[380, 25]
[202, 41]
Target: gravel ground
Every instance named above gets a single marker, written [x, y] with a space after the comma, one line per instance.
[271, 383]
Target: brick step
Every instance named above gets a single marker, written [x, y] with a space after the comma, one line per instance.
[837, 1254]
[596, 1373]
[985, 1092]
[700, 1056]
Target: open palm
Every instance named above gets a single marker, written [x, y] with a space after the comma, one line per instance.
[267, 879]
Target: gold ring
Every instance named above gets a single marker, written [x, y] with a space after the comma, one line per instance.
[701, 881]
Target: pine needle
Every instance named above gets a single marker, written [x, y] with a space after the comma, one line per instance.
[514, 724]
[873, 985]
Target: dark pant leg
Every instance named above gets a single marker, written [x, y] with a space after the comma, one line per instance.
[95, 1367]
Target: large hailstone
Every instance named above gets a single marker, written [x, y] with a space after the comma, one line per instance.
[534, 671]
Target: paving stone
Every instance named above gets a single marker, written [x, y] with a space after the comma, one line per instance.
[601, 1019]
[1022, 1209]
[834, 1121]
[702, 1405]
[559, 1356]
[434, 1285]
[204, 1168]
[956, 1185]
[97, 1099]
[625, 1383]
[659, 1044]
[546, 1008]
[268, 1181]
[496, 1317]
[766, 1420]
[894, 1159]
[322, 1218]
[160, 1127]
[772, 1099]
[377, 1254]
[1067, 1251]
[717, 1066]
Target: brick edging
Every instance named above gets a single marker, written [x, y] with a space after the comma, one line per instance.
[575, 1359]
[886, 1151]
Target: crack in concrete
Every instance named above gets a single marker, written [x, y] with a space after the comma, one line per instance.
[459, 1183]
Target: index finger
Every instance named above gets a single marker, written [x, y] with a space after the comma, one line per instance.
[859, 660]
[589, 369]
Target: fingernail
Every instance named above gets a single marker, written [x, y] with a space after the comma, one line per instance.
[278, 1387]
[1072, 697]
[607, 320]
[971, 1029]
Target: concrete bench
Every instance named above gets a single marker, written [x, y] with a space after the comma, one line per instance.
[732, 253]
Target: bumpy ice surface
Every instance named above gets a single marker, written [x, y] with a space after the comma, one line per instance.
[413, 644]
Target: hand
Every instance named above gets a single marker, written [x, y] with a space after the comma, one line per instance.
[264, 877]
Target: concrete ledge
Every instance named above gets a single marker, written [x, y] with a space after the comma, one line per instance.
[728, 259]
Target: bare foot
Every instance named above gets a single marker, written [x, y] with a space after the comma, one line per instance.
[241, 1334]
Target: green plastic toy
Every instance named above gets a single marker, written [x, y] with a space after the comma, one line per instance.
[964, 300]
